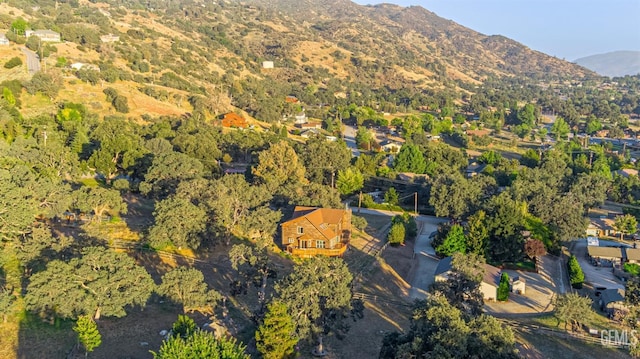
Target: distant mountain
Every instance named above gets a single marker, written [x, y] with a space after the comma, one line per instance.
[613, 64]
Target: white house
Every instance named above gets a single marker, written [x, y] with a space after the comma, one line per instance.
[44, 35]
[267, 64]
[490, 279]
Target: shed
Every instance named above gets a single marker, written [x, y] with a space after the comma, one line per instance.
[517, 284]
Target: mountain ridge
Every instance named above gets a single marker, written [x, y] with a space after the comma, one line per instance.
[613, 64]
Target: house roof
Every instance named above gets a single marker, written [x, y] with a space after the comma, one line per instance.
[612, 295]
[605, 252]
[626, 172]
[319, 218]
[491, 274]
[443, 266]
[633, 254]
[46, 32]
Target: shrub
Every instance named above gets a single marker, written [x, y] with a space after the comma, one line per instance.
[359, 222]
[14, 62]
[396, 234]
[121, 104]
[576, 276]
[632, 268]
[503, 288]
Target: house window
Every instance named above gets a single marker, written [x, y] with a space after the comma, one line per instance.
[290, 240]
[300, 230]
[319, 244]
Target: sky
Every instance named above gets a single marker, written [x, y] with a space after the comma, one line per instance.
[567, 29]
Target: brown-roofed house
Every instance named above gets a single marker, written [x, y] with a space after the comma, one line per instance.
[478, 133]
[315, 231]
[233, 120]
[605, 256]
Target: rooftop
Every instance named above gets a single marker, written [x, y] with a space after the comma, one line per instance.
[605, 252]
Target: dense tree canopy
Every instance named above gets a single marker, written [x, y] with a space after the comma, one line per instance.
[100, 282]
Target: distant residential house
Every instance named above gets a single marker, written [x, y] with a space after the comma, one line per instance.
[235, 171]
[412, 177]
[315, 231]
[310, 133]
[267, 64]
[605, 256]
[488, 285]
[291, 99]
[612, 301]
[109, 38]
[233, 120]
[44, 35]
[600, 227]
[308, 125]
[300, 118]
[478, 133]
[390, 146]
[3, 39]
[474, 168]
[81, 65]
[626, 172]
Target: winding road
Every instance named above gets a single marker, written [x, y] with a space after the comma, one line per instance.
[33, 60]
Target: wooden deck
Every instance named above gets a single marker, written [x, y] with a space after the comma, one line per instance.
[338, 251]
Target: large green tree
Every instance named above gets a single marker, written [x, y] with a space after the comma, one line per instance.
[625, 224]
[187, 287]
[99, 200]
[167, 171]
[178, 222]
[454, 196]
[441, 330]
[316, 289]
[454, 242]
[323, 159]
[573, 309]
[100, 282]
[279, 168]
[349, 180]
[410, 159]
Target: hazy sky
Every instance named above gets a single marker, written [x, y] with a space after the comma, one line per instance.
[568, 29]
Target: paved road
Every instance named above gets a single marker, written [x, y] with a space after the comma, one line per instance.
[425, 257]
[597, 276]
[33, 61]
[349, 136]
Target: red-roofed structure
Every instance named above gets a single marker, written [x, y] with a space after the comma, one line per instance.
[233, 120]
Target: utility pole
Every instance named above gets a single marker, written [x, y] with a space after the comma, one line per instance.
[415, 200]
[359, 201]
[333, 175]
[590, 158]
